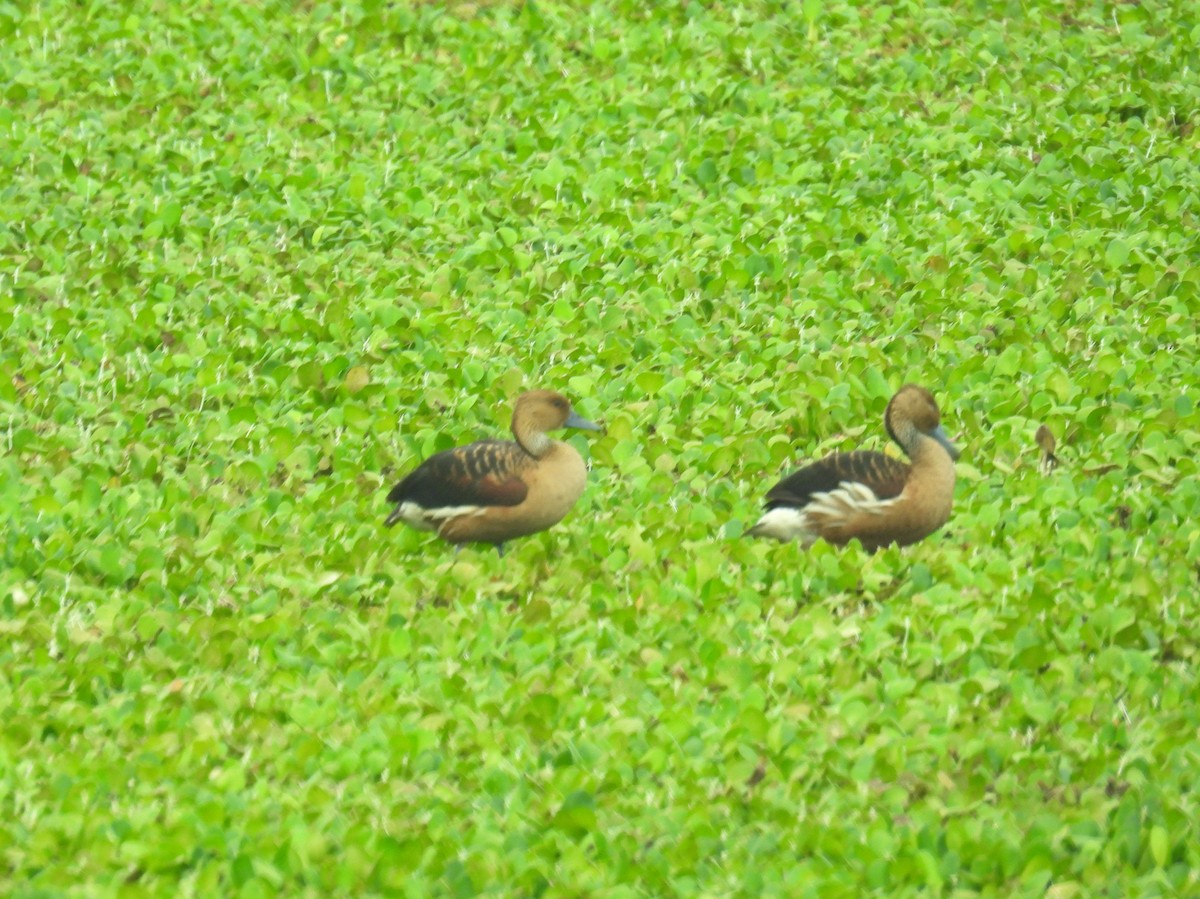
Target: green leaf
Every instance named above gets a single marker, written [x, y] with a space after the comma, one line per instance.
[877, 385]
[170, 214]
[309, 374]
[357, 378]
[400, 643]
[1159, 845]
[1117, 253]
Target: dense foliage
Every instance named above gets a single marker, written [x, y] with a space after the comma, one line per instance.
[258, 258]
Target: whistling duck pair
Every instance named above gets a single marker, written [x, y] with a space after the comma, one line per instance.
[494, 490]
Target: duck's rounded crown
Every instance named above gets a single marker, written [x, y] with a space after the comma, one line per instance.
[542, 410]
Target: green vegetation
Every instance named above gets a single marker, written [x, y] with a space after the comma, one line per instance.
[257, 259]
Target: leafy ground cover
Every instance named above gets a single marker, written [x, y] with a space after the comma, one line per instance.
[259, 258]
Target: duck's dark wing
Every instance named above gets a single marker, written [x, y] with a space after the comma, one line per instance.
[485, 473]
[883, 474]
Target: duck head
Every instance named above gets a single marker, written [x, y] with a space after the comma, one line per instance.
[912, 413]
[540, 411]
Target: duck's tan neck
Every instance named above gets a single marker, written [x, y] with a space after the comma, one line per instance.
[922, 449]
[931, 485]
[536, 443]
[925, 451]
[909, 439]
